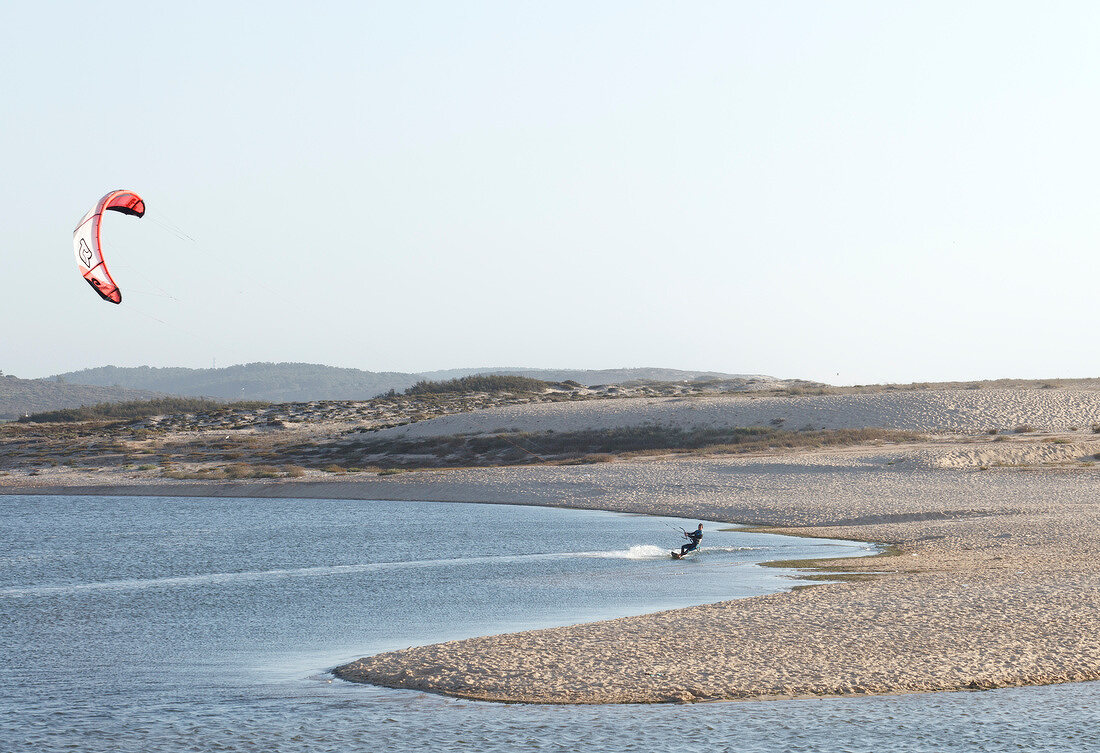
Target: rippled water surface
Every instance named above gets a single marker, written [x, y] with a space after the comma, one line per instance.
[134, 624]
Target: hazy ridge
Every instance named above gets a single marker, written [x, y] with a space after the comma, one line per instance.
[20, 396]
[275, 382]
[299, 382]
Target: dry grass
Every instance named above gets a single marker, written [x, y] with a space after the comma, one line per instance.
[596, 446]
[232, 471]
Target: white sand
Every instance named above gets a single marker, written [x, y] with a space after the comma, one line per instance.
[998, 585]
[948, 411]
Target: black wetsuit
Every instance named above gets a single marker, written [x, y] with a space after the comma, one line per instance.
[695, 537]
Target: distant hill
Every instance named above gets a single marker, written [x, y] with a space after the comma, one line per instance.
[22, 396]
[276, 382]
[302, 382]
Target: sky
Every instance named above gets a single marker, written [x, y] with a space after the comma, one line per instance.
[852, 192]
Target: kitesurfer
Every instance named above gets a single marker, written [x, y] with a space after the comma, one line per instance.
[693, 540]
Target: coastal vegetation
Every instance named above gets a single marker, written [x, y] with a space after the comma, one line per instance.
[479, 383]
[137, 409]
[200, 438]
[602, 445]
[233, 471]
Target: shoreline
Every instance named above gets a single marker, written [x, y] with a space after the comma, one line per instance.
[994, 580]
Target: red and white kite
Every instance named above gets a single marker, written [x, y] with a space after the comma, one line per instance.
[89, 257]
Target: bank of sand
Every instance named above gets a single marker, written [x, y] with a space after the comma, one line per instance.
[996, 580]
[959, 411]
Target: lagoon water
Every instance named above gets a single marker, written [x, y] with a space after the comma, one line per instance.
[136, 624]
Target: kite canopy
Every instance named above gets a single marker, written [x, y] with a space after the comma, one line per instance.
[89, 257]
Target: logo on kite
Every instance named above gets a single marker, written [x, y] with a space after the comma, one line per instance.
[89, 253]
[84, 254]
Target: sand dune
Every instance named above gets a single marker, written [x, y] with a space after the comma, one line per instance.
[943, 411]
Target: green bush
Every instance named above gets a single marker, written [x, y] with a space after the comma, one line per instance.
[479, 383]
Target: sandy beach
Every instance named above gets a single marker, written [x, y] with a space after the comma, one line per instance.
[993, 581]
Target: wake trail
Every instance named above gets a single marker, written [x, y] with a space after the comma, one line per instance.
[638, 552]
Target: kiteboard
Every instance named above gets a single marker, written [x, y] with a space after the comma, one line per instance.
[676, 555]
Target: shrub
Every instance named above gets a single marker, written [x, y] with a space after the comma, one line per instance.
[1024, 428]
[479, 383]
[136, 409]
[239, 470]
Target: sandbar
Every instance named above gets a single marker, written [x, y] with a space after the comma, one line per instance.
[993, 579]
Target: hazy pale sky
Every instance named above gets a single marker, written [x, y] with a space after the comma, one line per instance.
[846, 191]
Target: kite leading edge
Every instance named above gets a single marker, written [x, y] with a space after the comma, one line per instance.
[89, 257]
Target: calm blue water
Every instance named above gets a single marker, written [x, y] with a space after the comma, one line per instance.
[135, 624]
